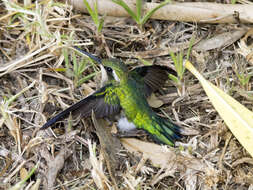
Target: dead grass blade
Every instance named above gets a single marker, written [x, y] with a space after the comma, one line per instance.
[9, 120]
[13, 65]
[26, 176]
[245, 47]
[97, 172]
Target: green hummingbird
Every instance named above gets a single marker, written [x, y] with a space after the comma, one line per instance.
[126, 90]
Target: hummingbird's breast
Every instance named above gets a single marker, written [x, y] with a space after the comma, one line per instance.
[133, 101]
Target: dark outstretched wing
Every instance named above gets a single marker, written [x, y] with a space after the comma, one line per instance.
[154, 77]
[103, 102]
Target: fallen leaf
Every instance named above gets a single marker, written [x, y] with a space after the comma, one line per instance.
[236, 116]
[158, 156]
[219, 41]
[171, 160]
[23, 173]
[154, 102]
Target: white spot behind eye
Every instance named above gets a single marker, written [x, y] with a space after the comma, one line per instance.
[104, 77]
[115, 76]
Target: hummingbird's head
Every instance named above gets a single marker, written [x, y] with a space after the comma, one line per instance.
[110, 68]
[116, 67]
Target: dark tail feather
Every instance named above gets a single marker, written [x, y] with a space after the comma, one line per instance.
[166, 132]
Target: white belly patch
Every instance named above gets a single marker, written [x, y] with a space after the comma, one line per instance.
[124, 125]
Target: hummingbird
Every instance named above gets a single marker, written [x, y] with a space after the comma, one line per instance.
[126, 90]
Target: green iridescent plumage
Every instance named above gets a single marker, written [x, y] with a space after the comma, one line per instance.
[127, 91]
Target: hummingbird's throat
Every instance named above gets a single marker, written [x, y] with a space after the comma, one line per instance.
[104, 77]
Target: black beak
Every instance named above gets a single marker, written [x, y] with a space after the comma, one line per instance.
[88, 54]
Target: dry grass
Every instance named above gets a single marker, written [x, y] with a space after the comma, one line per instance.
[38, 78]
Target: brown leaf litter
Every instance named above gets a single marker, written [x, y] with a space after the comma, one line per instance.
[32, 40]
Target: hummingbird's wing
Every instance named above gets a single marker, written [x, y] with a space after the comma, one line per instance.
[104, 102]
[153, 77]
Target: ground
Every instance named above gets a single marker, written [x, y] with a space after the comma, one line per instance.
[45, 75]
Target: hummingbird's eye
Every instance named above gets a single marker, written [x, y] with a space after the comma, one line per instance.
[108, 69]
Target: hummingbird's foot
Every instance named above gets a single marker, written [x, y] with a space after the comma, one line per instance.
[132, 133]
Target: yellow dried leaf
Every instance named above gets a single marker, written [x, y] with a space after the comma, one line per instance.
[23, 173]
[236, 116]
[159, 156]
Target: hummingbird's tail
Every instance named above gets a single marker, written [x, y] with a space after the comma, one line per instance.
[164, 131]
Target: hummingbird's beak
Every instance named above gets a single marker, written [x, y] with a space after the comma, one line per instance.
[88, 54]
[104, 78]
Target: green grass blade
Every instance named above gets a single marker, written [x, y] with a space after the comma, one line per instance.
[144, 62]
[96, 14]
[173, 57]
[75, 65]
[82, 66]
[66, 59]
[173, 78]
[151, 12]
[127, 9]
[181, 66]
[138, 8]
[190, 47]
[20, 184]
[82, 80]
[178, 62]
[101, 23]
[92, 13]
